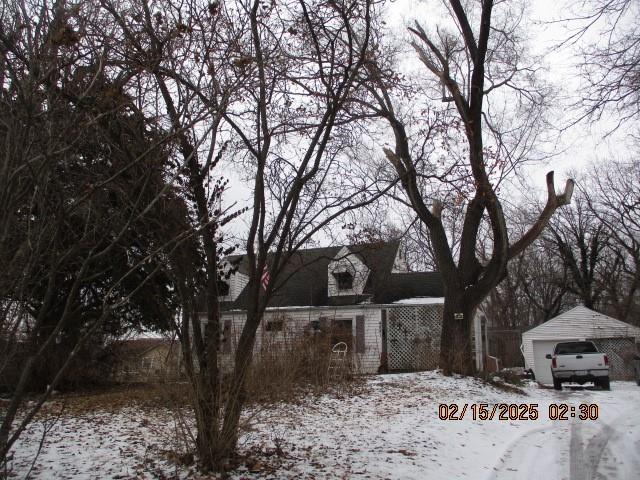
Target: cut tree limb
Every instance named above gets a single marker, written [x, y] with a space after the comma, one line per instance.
[554, 201]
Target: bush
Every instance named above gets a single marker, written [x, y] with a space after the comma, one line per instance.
[291, 363]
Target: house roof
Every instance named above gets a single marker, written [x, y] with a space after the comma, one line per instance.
[582, 322]
[304, 281]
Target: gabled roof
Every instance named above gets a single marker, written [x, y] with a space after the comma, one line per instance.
[582, 322]
[305, 279]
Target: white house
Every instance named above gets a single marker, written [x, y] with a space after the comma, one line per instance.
[615, 338]
[364, 294]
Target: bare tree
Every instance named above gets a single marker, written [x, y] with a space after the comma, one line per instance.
[613, 192]
[533, 291]
[296, 130]
[470, 66]
[544, 281]
[269, 87]
[580, 241]
[188, 53]
[610, 66]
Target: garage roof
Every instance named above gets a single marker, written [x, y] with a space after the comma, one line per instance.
[581, 322]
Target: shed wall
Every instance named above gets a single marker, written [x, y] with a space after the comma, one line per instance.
[162, 363]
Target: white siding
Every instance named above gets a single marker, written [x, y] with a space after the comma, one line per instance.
[478, 339]
[347, 262]
[298, 320]
[578, 323]
[237, 282]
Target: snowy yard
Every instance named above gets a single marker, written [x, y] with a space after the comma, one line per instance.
[390, 429]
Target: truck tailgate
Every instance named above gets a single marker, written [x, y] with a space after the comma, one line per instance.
[580, 361]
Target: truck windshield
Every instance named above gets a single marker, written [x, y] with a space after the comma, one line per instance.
[575, 347]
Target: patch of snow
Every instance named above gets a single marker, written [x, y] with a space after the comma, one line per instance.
[391, 429]
[421, 301]
[147, 335]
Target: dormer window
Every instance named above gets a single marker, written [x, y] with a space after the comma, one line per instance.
[344, 280]
[347, 274]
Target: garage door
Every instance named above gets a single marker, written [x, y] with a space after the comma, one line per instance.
[542, 365]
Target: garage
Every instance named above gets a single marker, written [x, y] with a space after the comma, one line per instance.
[543, 365]
[615, 338]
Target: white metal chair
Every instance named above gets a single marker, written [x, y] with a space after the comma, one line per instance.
[337, 361]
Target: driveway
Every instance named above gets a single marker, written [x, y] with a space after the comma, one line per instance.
[606, 448]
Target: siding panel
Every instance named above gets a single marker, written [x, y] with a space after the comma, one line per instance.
[299, 322]
[360, 336]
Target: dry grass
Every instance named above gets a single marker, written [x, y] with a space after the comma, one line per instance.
[116, 397]
[503, 380]
[294, 365]
[282, 371]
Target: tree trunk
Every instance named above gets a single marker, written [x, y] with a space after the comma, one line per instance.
[207, 440]
[455, 343]
[205, 381]
[238, 389]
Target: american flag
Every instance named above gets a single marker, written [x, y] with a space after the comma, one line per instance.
[264, 280]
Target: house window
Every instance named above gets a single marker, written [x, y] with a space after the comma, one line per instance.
[344, 280]
[341, 331]
[146, 364]
[274, 325]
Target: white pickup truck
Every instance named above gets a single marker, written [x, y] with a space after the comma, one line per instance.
[579, 362]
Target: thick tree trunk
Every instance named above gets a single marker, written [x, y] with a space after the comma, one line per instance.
[455, 343]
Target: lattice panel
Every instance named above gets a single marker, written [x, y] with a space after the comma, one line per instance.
[413, 337]
[620, 352]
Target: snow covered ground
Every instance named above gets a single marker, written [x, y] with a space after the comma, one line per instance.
[390, 429]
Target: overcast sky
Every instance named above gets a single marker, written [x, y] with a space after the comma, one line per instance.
[579, 145]
[576, 147]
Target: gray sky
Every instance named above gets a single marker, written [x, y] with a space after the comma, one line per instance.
[578, 145]
[575, 147]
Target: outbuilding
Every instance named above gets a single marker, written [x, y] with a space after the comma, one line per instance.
[613, 337]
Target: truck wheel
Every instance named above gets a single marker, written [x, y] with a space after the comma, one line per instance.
[557, 384]
[605, 384]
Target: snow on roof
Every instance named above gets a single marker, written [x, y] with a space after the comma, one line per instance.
[421, 301]
[148, 334]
